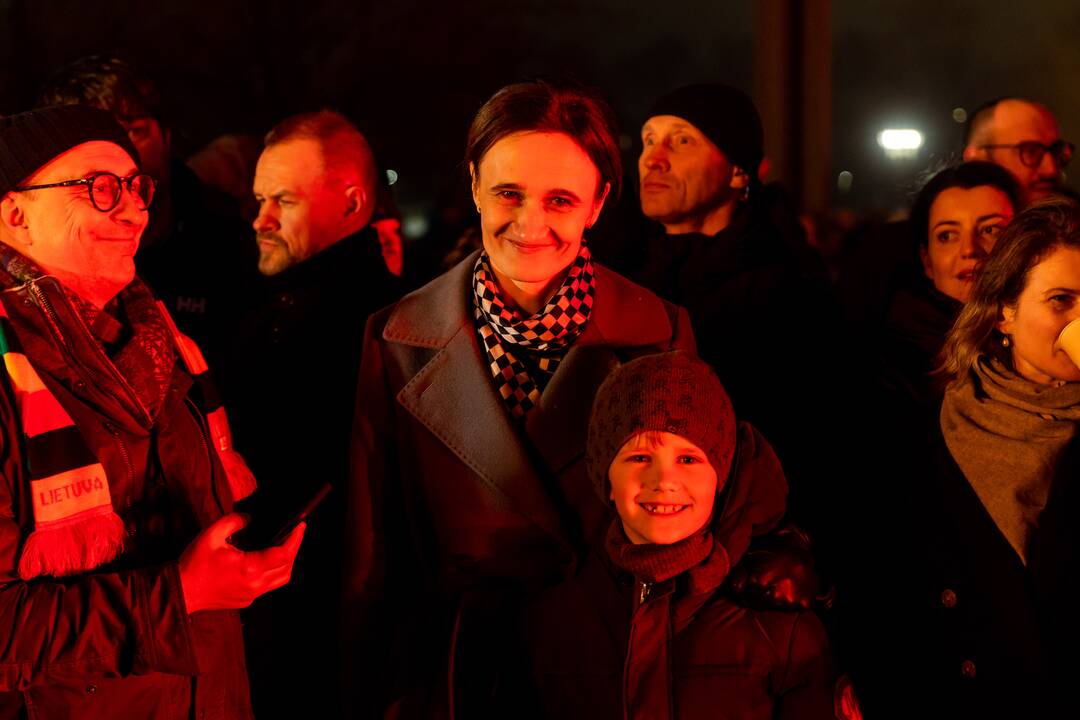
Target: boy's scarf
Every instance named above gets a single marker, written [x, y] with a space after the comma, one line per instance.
[1007, 434]
[523, 353]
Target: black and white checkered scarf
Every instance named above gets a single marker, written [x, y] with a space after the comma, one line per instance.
[523, 353]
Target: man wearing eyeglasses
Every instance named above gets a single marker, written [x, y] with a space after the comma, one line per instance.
[192, 227]
[1023, 137]
[118, 583]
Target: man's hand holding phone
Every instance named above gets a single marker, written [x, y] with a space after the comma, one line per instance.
[215, 575]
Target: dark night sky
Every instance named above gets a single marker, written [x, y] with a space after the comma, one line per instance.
[412, 73]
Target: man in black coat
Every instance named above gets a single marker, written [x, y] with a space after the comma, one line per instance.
[733, 253]
[292, 380]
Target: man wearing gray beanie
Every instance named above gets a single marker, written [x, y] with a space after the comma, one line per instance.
[731, 250]
[118, 586]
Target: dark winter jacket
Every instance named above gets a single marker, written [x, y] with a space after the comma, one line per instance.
[290, 389]
[455, 508]
[765, 319]
[918, 321]
[591, 636]
[948, 621]
[117, 641]
[199, 258]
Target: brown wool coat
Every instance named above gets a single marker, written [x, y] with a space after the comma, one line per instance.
[450, 504]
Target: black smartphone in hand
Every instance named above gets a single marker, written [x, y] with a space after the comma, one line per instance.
[268, 529]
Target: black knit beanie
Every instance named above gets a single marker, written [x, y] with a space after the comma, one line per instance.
[724, 115]
[29, 140]
[669, 392]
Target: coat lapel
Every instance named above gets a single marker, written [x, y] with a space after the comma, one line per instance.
[453, 396]
[625, 316]
[559, 424]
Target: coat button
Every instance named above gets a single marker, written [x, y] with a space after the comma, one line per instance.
[967, 669]
[91, 689]
[948, 598]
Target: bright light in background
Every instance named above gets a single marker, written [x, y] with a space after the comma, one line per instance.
[959, 115]
[905, 139]
[900, 142]
[844, 181]
[414, 225]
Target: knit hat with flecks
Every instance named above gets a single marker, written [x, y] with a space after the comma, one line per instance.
[668, 392]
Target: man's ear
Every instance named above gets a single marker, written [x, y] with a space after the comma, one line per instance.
[356, 199]
[13, 220]
[598, 206]
[739, 179]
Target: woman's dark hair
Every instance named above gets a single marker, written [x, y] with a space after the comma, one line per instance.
[966, 176]
[1026, 241]
[540, 106]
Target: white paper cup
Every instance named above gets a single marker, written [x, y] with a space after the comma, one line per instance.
[1069, 341]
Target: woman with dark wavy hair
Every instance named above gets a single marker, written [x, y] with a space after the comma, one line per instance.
[955, 221]
[982, 623]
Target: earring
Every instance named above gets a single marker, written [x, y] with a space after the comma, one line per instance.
[1005, 341]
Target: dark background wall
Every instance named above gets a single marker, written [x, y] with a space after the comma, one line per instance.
[412, 73]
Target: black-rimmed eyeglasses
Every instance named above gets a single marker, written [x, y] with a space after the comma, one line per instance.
[105, 189]
[1031, 152]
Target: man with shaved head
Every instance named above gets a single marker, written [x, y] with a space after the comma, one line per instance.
[1024, 138]
[315, 186]
[292, 379]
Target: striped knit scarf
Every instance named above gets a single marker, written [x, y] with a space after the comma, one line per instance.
[75, 526]
[523, 353]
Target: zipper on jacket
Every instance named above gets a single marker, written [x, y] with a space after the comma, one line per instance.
[54, 320]
[204, 436]
[50, 313]
[646, 588]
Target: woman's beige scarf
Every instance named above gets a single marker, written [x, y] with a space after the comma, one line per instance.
[1007, 434]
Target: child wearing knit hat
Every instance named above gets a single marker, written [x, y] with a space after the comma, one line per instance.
[690, 486]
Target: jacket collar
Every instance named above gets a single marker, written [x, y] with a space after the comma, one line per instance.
[342, 261]
[453, 395]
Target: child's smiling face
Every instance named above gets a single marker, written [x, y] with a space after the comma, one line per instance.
[663, 487]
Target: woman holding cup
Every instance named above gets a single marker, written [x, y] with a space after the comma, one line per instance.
[986, 577]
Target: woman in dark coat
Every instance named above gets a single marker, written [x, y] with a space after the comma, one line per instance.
[955, 221]
[468, 485]
[646, 630]
[977, 542]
